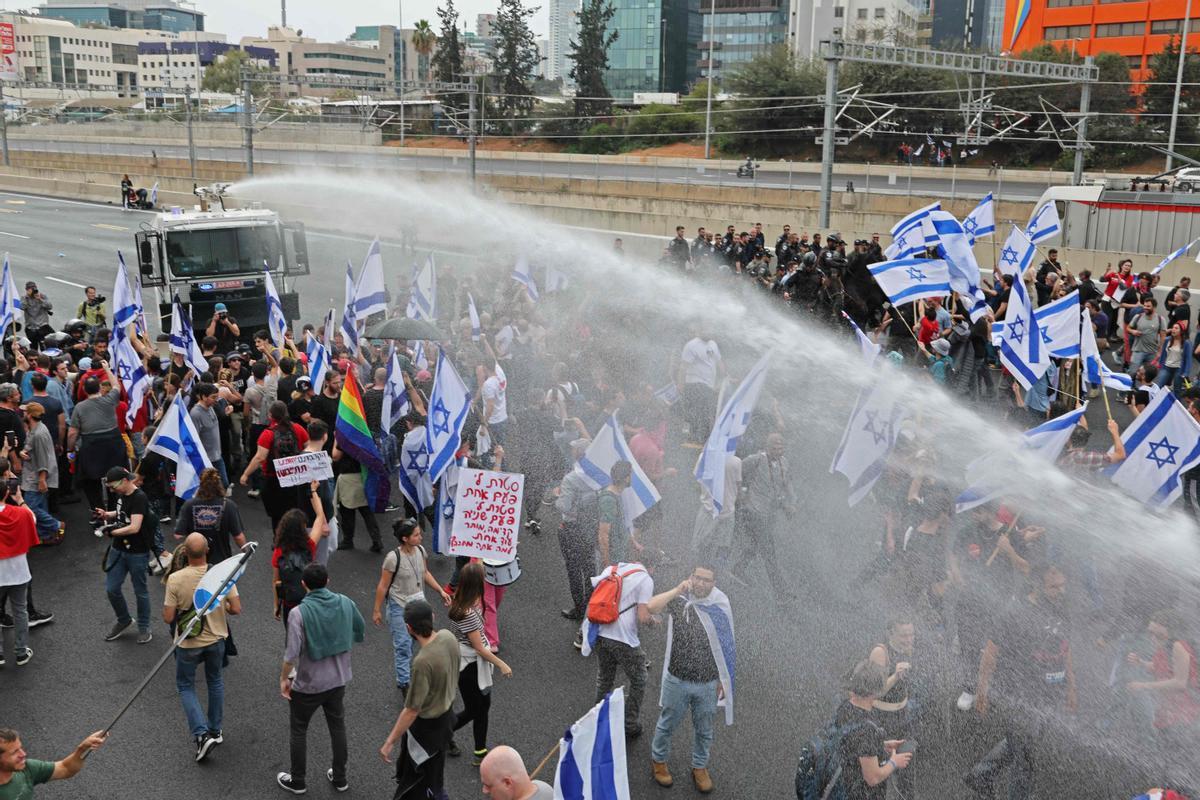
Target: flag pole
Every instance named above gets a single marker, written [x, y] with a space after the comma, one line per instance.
[542, 763]
[247, 551]
[1011, 526]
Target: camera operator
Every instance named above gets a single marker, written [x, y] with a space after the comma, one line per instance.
[37, 309]
[91, 311]
[223, 328]
[128, 553]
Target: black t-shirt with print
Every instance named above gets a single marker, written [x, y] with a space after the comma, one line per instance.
[129, 506]
[691, 656]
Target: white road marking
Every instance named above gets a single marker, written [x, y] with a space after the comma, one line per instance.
[108, 227]
[14, 235]
[68, 283]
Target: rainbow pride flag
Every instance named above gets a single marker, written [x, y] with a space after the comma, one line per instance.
[354, 438]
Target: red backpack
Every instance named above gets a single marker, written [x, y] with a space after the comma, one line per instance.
[604, 606]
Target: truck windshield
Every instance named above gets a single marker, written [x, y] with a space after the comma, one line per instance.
[222, 251]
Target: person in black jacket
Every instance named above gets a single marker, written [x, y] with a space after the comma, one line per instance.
[679, 252]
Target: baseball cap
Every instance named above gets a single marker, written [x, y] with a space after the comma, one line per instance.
[233, 355]
[30, 284]
[220, 307]
[117, 474]
[417, 611]
[303, 382]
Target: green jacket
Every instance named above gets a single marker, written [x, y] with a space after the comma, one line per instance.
[331, 623]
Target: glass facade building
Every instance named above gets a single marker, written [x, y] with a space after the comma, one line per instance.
[741, 35]
[656, 47]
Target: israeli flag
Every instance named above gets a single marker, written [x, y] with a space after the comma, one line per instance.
[607, 449]
[210, 590]
[1160, 445]
[395, 395]
[1059, 324]
[1016, 255]
[955, 247]
[908, 279]
[911, 235]
[183, 337]
[869, 349]
[140, 320]
[919, 150]
[523, 273]
[318, 355]
[981, 221]
[1174, 256]
[349, 327]
[414, 470]
[449, 403]
[419, 358]
[10, 299]
[276, 321]
[1095, 371]
[176, 439]
[422, 302]
[129, 368]
[556, 280]
[731, 424]
[869, 438]
[1043, 224]
[370, 293]
[715, 616]
[443, 520]
[1022, 348]
[591, 755]
[476, 327]
[154, 194]
[989, 476]
[669, 394]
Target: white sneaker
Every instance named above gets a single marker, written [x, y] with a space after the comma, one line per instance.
[966, 701]
[252, 493]
[229, 491]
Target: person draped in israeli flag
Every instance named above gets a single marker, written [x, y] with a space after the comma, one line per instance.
[1059, 325]
[989, 476]
[349, 326]
[1095, 371]
[1161, 444]
[422, 301]
[1016, 255]
[591, 755]
[1022, 349]
[523, 274]
[10, 299]
[981, 221]
[707, 665]
[1174, 256]
[130, 370]
[176, 439]
[909, 279]
[607, 449]
[183, 338]
[276, 321]
[912, 235]
[449, 402]
[955, 247]
[723, 440]
[414, 479]
[1043, 224]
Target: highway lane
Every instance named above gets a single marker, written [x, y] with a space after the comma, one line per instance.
[890, 179]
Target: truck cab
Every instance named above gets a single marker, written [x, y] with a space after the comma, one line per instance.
[209, 255]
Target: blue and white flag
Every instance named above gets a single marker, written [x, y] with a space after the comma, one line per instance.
[1043, 224]
[276, 321]
[869, 349]
[127, 364]
[919, 150]
[318, 355]
[449, 403]
[370, 293]
[1161, 444]
[990, 476]
[731, 424]
[715, 615]
[154, 194]
[1095, 371]
[869, 438]
[1022, 348]
[419, 359]
[591, 754]
[443, 520]
[395, 394]
[349, 326]
[176, 438]
[1016, 255]
[1059, 324]
[909, 279]
[476, 326]
[414, 469]
[139, 322]
[213, 584]
[607, 449]
[556, 280]
[911, 235]
[422, 300]
[669, 394]
[955, 247]
[183, 337]
[10, 299]
[523, 274]
[1174, 256]
[981, 221]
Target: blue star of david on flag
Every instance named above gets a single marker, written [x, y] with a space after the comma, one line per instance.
[901, 242]
[970, 225]
[1016, 331]
[880, 433]
[1045, 335]
[915, 274]
[417, 461]
[1008, 256]
[440, 419]
[1158, 458]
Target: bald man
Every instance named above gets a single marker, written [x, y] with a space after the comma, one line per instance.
[206, 646]
[504, 777]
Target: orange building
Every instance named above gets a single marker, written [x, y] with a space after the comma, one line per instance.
[1136, 29]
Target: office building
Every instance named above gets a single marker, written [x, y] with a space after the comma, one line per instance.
[656, 48]
[564, 27]
[743, 29]
[350, 66]
[169, 66]
[967, 24]
[485, 26]
[883, 21]
[156, 15]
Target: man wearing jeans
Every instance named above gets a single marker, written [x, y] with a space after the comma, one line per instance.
[40, 474]
[700, 633]
[206, 646]
[128, 554]
[18, 535]
[617, 643]
[316, 669]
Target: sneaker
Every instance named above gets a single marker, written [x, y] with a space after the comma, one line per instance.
[145, 637]
[229, 491]
[966, 701]
[204, 745]
[389, 508]
[163, 520]
[578, 643]
[2, 661]
[6, 621]
[62, 533]
[24, 656]
[116, 630]
[256, 493]
[452, 749]
[477, 756]
[284, 779]
[164, 560]
[38, 618]
[217, 737]
[337, 787]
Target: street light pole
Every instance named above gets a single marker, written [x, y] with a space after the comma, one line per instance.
[403, 60]
[712, 36]
[1187, 23]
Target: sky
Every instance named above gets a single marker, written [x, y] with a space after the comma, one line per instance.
[328, 21]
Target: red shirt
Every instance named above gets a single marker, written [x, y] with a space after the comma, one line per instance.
[277, 553]
[267, 438]
[928, 330]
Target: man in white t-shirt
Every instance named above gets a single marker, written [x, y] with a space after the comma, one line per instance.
[617, 644]
[495, 403]
[700, 371]
[504, 777]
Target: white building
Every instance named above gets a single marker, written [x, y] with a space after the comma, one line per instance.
[882, 21]
[564, 26]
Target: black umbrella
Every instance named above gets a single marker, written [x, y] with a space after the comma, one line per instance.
[405, 328]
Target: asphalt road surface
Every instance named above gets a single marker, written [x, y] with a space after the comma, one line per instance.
[1012, 185]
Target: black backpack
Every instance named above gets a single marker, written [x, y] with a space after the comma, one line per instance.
[819, 773]
[291, 567]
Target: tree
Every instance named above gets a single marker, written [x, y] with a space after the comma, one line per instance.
[226, 74]
[423, 41]
[765, 125]
[447, 62]
[1159, 97]
[590, 58]
[516, 58]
